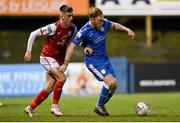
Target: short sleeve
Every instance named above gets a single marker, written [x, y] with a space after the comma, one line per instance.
[108, 23]
[74, 33]
[48, 30]
[78, 38]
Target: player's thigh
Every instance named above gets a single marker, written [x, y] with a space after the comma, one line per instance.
[48, 63]
[52, 66]
[110, 69]
[100, 71]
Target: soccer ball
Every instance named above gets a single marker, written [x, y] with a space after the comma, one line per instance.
[142, 109]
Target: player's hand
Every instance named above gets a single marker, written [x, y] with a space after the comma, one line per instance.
[64, 66]
[27, 56]
[131, 34]
[88, 50]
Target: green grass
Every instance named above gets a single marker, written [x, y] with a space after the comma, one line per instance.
[164, 107]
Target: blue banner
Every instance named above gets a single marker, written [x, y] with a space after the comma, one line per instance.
[29, 79]
[121, 68]
[21, 79]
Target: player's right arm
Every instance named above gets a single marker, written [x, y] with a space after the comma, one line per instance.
[47, 30]
[68, 56]
[77, 41]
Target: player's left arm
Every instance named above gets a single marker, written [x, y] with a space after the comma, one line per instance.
[120, 27]
[46, 30]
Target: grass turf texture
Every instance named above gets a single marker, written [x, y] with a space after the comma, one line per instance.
[164, 107]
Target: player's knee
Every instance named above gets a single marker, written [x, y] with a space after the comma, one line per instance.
[62, 79]
[113, 84]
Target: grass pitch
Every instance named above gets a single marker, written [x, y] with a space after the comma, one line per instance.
[164, 107]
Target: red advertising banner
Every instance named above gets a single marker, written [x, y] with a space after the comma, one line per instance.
[41, 7]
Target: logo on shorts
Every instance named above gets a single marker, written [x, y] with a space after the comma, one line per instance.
[103, 71]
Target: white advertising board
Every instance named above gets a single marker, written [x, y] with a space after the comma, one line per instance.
[139, 7]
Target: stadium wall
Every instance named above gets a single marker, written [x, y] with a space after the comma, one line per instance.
[29, 79]
[121, 68]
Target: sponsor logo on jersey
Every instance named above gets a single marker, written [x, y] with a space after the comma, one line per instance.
[99, 39]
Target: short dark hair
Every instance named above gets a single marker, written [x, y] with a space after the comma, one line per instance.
[65, 8]
[94, 12]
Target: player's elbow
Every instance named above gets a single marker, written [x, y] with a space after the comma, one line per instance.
[32, 35]
[35, 33]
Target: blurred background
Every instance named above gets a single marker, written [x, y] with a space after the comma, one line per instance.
[149, 63]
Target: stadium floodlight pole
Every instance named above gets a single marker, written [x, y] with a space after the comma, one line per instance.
[149, 31]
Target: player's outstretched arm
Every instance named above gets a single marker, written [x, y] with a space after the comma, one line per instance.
[32, 37]
[120, 27]
[68, 56]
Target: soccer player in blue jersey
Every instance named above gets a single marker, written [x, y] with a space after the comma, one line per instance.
[93, 36]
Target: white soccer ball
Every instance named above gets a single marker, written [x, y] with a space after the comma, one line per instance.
[142, 109]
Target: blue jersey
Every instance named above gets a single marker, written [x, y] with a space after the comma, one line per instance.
[98, 63]
[95, 39]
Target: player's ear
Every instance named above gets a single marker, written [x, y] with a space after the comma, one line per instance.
[61, 16]
[92, 20]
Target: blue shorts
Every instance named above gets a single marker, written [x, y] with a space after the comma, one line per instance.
[101, 70]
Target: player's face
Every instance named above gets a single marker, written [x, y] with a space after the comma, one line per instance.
[68, 18]
[98, 22]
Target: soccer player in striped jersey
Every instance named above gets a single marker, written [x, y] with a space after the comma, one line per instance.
[58, 35]
[93, 35]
